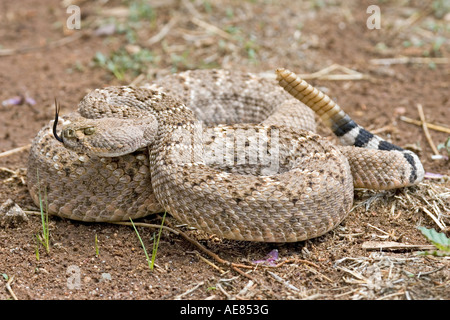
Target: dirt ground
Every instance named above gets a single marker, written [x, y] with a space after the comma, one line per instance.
[41, 59]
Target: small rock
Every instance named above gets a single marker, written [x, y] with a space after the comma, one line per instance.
[87, 279]
[105, 276]
[11, 215]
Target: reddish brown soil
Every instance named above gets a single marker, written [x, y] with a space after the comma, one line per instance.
[258, 37]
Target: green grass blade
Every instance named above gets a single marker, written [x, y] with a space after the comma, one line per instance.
[97, 251]
[156, 243]
[37, 247]
[44, 216]
[142, 244]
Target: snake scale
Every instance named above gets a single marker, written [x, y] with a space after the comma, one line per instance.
[227, 152]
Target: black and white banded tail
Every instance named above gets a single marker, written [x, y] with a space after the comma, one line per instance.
[347, 130]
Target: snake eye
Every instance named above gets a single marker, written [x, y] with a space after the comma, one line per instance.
[69, 133]
[88, 131]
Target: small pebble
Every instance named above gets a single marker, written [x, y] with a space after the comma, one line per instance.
[11, 215]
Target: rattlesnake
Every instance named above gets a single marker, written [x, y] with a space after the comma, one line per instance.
[227, 152]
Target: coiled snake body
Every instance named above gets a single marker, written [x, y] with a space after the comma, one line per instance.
[226, 152]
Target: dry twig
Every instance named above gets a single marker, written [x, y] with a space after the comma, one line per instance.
[425, 129]
[163, 32]
[295, 260]
[406, 60]
[436, 220]
[12, 151]
[221, 289]
[392, 245]
[429, 125]
[284, 282]
[212, 28]
[355, 274]
[178, 297]
[325, 74]
[244, 290]
[10, 290]
[209, 262]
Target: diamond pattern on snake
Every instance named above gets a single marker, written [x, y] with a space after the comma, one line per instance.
[230, 153]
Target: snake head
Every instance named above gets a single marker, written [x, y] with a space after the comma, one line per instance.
[108, 137]
[68, 132]
[72, 136]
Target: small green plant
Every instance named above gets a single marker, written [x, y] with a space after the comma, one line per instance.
[440, 8]
[439, 240]
[141, 10]
[207, 6]
[445, 145]
[121, 62]
[151, 262]
[45, 238]
[97, 251]
[140, 14]
[181, 61]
